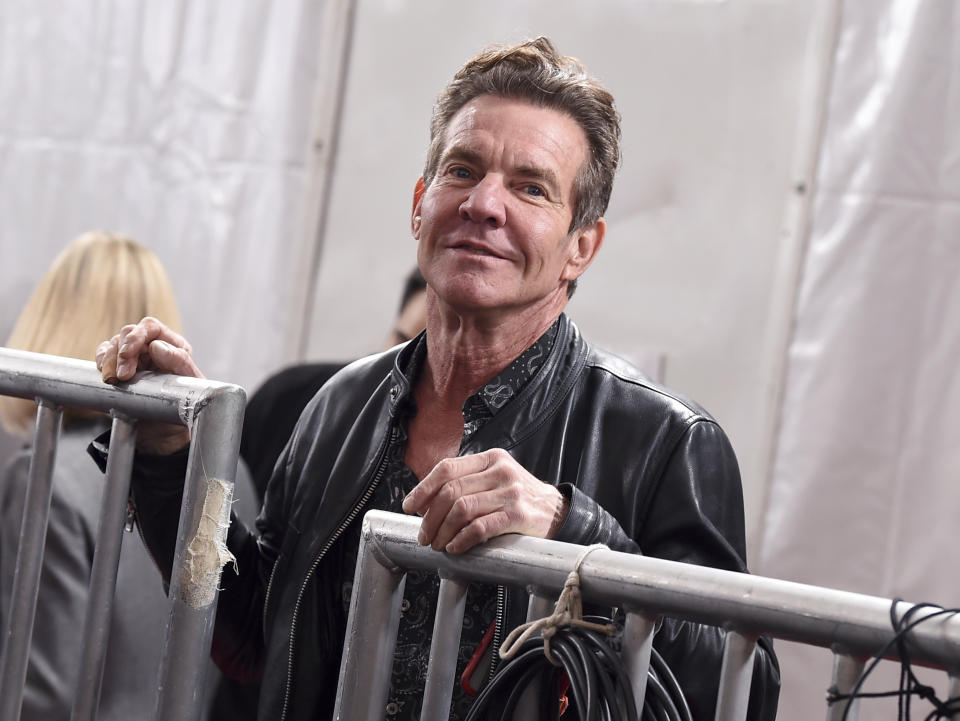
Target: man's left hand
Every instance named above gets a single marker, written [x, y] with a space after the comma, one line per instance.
[469, 499]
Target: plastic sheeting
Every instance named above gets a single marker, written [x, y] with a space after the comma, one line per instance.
[864, 492]
[203, 130]
[185, 125]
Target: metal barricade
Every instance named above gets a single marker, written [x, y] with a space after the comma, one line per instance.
[213, 412]
[855, 626]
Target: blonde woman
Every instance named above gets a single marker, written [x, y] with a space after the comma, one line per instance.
[99, 283]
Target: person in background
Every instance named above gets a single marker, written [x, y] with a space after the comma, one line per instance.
[412, 313]
[500, 418]
[273, 410]
[100, 280]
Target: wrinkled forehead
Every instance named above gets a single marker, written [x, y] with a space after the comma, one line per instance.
[519, 132]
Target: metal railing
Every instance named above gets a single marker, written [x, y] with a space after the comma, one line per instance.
[854, 626]
[213, 412]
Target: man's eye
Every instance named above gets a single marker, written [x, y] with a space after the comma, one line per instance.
[460, 172]
[534, 190]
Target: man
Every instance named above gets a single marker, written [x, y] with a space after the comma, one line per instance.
[499, 419]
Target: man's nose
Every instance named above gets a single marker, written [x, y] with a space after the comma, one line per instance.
[485, 203]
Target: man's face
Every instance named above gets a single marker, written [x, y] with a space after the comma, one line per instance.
[493, 225]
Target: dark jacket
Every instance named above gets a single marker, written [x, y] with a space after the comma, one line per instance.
[645, 472]
[272, 413]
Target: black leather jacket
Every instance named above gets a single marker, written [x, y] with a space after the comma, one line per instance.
[645, 472]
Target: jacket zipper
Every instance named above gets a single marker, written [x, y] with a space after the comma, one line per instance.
[266, 598]
[316, 562]
[498, 631]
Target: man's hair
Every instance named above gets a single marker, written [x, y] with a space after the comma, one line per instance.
[533, 71]
[98, 283]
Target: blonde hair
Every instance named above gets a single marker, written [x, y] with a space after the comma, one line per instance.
[98, 283]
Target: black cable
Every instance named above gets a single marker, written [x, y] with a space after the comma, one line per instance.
[660, 698]
[910, 685]
[612, 661]
[517, 691]
[599, 686]
[663, 672]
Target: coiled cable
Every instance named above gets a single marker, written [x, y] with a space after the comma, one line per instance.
[598, 683]
[573, 654]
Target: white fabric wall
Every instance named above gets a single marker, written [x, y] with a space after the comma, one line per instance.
[864, 492]
[185, 125]
[203, 129]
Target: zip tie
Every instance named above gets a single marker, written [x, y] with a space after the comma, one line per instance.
[568, 611]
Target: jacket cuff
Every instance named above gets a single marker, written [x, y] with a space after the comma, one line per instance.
[582, 522]
[588, 523]
[164, 474]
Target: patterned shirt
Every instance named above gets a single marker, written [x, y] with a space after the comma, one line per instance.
[420, 592]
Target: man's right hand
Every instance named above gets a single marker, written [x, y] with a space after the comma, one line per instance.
[149, 345]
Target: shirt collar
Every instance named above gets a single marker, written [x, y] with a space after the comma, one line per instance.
[496, 393]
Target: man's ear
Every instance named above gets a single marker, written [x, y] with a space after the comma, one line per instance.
[418, 191]
[584, 244]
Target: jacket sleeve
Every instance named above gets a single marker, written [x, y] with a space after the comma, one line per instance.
[691, 512]
[157, 493]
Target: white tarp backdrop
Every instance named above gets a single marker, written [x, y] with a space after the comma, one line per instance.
[818, 327]
[185, 125]
[201, 129]
[864, 493]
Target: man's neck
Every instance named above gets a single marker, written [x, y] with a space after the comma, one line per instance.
[463, 353]
[461, 357]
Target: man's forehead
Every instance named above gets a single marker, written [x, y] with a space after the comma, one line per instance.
[533, 135]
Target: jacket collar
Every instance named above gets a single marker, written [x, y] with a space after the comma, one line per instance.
[538, 398]
[401, 384]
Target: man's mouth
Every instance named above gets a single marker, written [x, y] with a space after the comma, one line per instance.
[476, 249]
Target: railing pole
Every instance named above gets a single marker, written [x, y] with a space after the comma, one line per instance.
[103, 575]
[442, 666]
[736, 672]
[846, 673]
[752, 604]
[214, 411]
[638, 632]
[539, 605]
[26, 575]
[953, 692]
[200, 555]
[367, 659]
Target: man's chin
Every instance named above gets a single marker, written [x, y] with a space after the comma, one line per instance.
[472, 291]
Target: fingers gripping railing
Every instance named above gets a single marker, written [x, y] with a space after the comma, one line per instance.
[856, 626]
[214, 413]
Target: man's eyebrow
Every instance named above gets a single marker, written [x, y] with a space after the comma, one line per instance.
[533, 172]
[462, 154]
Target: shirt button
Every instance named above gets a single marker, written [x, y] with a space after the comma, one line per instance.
[404, 606]
[392, 709]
